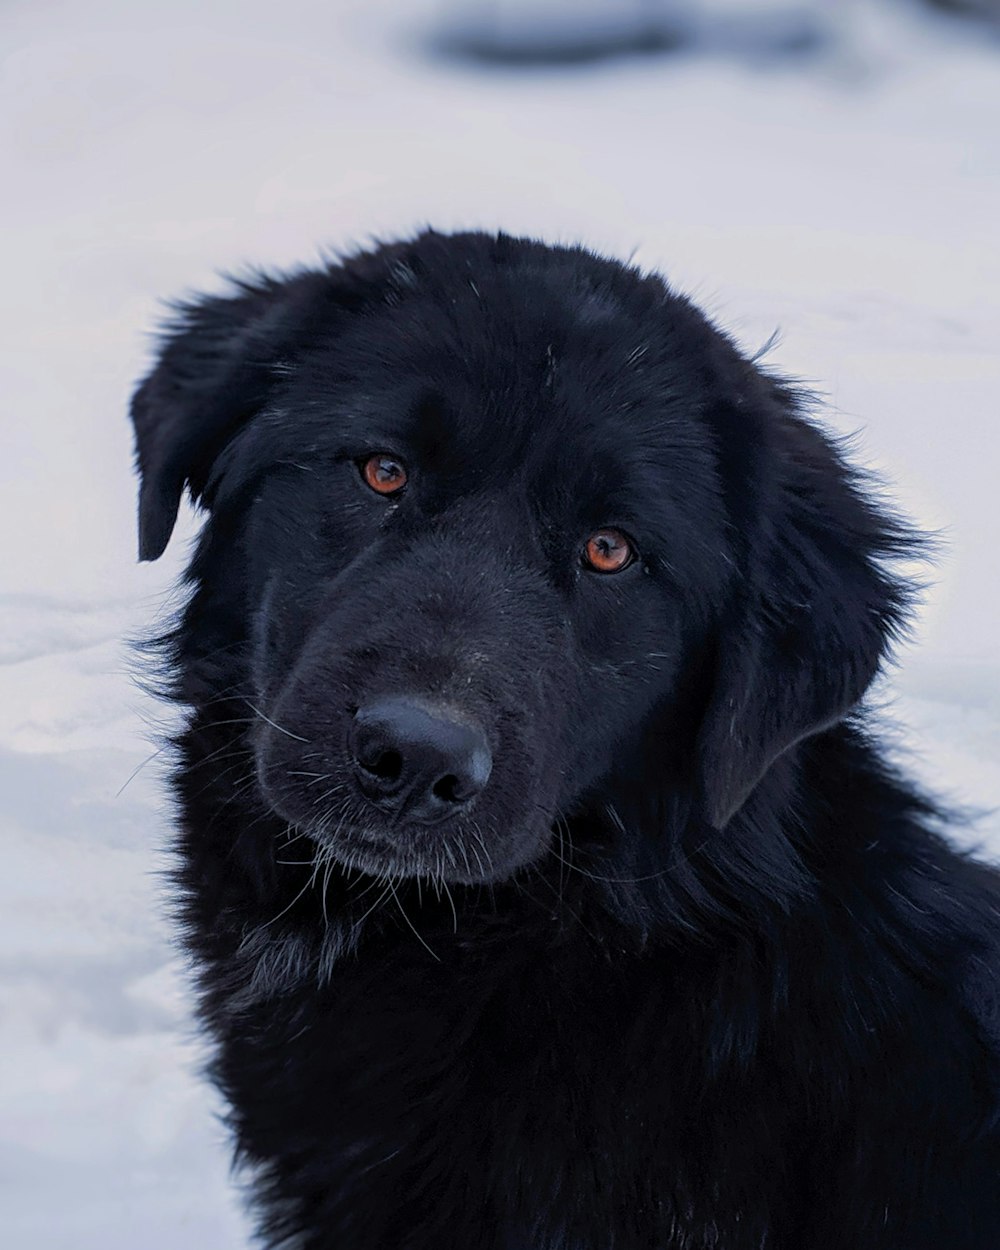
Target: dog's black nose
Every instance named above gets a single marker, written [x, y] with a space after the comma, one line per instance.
[415, 756]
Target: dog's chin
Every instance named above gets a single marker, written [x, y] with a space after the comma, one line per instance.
[460, 851]
[434, 855]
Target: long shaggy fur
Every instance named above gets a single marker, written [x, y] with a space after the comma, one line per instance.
[699, 970]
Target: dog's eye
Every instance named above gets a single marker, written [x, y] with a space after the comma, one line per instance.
[608, 551]
[384, 474]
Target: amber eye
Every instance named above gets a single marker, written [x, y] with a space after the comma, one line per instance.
[608, 551]
[384, 474]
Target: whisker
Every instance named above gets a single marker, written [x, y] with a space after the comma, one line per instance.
[381, 898]
[451, 904]
[138, 769]
[274, 725]
[402, 912]
[287, 909]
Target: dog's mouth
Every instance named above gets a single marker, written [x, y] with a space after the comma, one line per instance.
[412, 789]
[453, 858]
[463, 853]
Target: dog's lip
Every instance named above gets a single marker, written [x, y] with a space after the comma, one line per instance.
[348, 839]
[362, 850]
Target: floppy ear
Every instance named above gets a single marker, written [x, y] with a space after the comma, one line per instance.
[816, 608]
[215, 370]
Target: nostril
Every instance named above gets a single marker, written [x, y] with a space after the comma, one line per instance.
[446, 788]
[387, 766]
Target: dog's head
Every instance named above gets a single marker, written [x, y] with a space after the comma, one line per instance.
[492, 527]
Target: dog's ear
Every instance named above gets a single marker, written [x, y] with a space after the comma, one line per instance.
[215, 369]
[816, 604]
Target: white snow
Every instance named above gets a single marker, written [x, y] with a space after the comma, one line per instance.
[851, 199]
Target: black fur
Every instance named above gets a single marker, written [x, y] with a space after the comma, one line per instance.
[696, 972]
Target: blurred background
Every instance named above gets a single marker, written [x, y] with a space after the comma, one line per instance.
[829, 171]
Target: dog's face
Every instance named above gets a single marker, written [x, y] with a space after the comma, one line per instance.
[468, 569]
[488, 518]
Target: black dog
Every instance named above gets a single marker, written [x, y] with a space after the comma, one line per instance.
[546, 888]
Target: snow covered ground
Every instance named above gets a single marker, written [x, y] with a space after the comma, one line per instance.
[850, 198]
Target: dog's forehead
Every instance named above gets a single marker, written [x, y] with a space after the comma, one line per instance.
[585, 408]
[509, 375]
